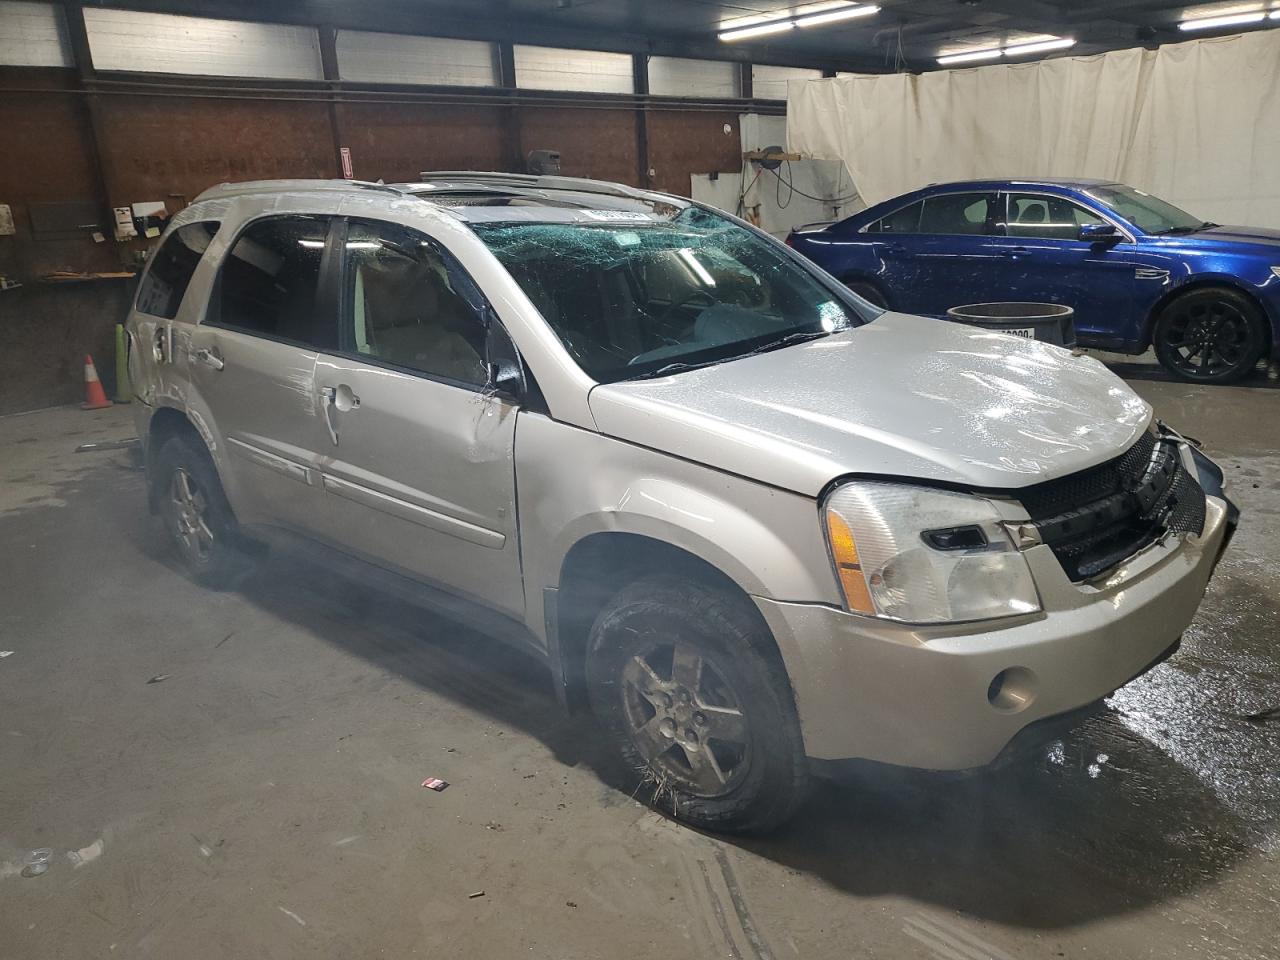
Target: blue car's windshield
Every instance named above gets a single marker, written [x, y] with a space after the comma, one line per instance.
[651, 297]
[1150, 214]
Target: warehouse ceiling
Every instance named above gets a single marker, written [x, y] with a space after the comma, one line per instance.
[901, 34]
[914, 32]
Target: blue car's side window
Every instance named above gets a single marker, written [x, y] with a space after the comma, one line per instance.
[958, 214]
[1044, 217]
[905, 220]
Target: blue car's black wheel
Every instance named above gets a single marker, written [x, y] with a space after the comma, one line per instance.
[868, 292]
[1210, 335]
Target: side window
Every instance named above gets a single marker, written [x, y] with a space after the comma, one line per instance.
[172, 266]
[402, 308]
[1046, 218]
[269, 281]
[957, 214]
[906, 220]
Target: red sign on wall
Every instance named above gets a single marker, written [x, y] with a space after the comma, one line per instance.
[345, 154]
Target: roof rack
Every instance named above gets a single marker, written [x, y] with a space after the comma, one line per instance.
[455, 179]
[249, 187]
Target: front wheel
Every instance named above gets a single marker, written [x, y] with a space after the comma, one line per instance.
[1212, 335]
[702, 712]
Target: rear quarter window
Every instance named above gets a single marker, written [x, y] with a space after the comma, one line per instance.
[172, 266]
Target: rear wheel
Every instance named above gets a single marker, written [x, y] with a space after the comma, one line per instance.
[702, 713]
[869, 292]
[1211, 335]
[196, 514]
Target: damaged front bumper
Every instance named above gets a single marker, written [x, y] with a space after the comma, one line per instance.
[931, 697]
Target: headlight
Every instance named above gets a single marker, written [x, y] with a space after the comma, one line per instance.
[1276, 271]
[924, 556]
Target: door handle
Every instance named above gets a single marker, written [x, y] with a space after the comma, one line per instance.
[208, 357]
[1014, 252]
[342, 397]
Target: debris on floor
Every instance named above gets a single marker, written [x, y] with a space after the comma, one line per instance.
[128, 444]
[37, 862]
[473, 896]
[87, 854]
[5, 653]
[433, 783]
[159, 678]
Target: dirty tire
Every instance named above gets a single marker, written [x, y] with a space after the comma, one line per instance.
[1210, 335]
[869, 292]
[685, 679]
[196, 514]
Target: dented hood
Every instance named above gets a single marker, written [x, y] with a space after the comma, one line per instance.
[901, 397]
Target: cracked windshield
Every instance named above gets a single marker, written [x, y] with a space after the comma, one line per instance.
[646, 298]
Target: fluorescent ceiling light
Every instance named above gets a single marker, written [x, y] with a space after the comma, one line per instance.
[1039, 46]
[971, 57]
[1275, 14]
[759, 30]
[810, 20]
[1013, 50]
[835, 16]
[1234, 20]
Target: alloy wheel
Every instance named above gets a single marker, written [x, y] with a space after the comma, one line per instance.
[189, 510]
[1208, 338]
[686, 720]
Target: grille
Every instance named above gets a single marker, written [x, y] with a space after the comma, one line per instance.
[1097, 518]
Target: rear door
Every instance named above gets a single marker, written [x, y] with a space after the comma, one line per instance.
[252, 360]
[937, 254]
[1045, 261]
[418, 468]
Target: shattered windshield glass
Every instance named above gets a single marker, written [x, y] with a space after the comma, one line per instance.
[647, 297]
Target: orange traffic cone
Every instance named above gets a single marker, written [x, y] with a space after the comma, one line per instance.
[95, 398]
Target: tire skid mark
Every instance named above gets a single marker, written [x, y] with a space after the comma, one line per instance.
[718, 910]
[756, 941]
[949, 941]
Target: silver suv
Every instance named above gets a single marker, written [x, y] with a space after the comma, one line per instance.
[751, 519]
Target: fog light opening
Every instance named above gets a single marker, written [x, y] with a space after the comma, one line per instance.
[1012, 690]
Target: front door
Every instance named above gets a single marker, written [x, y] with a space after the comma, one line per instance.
[252, 361]
[419, 461]
[1045, 261]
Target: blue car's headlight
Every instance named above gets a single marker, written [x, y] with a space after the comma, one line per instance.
[1276, 271]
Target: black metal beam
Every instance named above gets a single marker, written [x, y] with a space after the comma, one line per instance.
[329, 67]
[640, 87]
[103, 166]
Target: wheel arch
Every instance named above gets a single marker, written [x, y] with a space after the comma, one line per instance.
[597, 567]
[849, 278]
[1204, 282]
[165, 424]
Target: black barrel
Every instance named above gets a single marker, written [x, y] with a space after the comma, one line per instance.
[1046, 322]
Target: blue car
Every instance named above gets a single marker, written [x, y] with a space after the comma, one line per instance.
[1138, 271]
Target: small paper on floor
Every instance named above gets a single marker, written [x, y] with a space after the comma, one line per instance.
[478, 893]
[434, 783]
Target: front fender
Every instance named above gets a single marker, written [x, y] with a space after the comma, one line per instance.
[574, 483]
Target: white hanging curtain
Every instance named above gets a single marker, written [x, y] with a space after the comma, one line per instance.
[1196, 123]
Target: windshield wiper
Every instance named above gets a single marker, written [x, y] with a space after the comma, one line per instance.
[1182, 231]
[791, 338]
[670, 368]
[680, 367]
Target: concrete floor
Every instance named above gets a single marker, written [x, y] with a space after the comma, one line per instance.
[263, 799]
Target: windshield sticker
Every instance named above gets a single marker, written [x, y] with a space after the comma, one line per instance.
[628, 238]
[629, 216]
